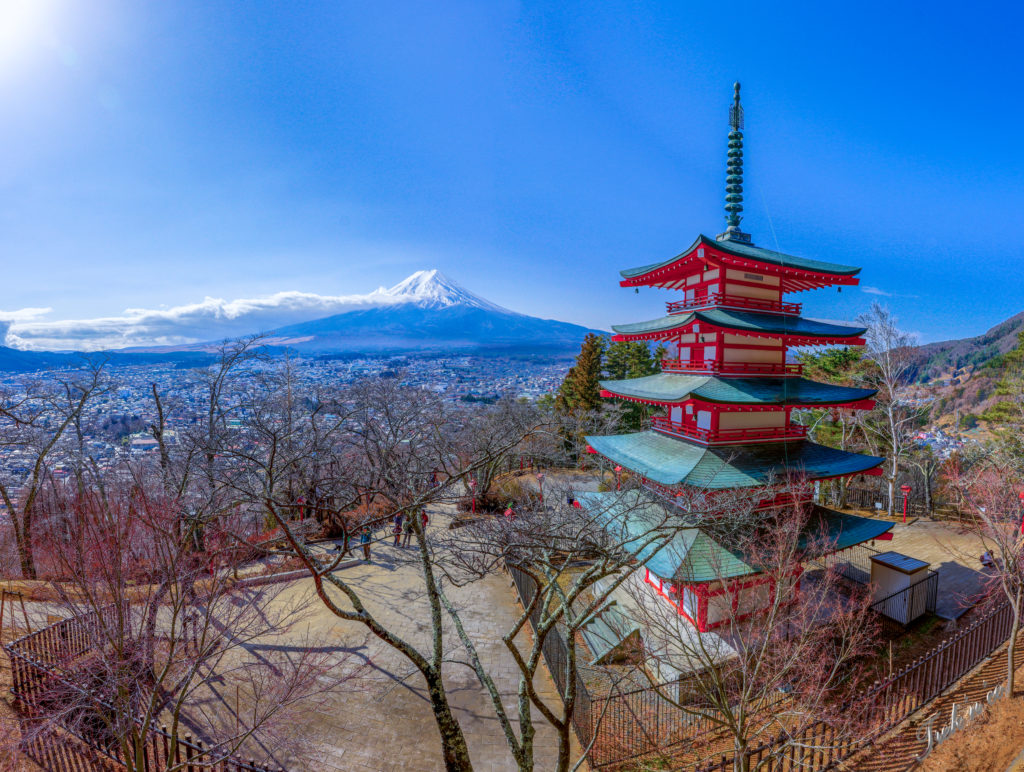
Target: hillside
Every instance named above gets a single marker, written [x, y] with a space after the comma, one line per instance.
[943, 360]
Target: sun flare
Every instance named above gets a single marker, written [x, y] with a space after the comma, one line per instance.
[24, 27]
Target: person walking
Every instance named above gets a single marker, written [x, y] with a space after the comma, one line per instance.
[364, 540]
[397, 528]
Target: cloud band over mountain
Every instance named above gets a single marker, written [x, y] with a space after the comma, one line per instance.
[215, 318]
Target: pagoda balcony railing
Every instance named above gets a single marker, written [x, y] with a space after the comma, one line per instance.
[730, 368]
[733, 301]
[727, 436]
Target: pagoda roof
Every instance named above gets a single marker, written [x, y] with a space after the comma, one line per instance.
[742, 322]
[672, 461]
[691, 555]
[672, 387]
[800, 269]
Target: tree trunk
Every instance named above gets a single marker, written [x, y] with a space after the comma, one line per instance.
[23, 538]
[891, 483]
[453, 741]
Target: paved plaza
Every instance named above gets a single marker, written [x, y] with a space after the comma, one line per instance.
[953, 552]
[382, 721]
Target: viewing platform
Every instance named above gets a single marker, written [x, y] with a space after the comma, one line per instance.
[731, 368]
[728, 436]
[720, 299]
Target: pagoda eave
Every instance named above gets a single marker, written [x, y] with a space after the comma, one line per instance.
[739, 407]
[793, 331]
[795, 341]
[674, 461]
[795, 274]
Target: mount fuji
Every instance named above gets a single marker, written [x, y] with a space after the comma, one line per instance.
[427, 312]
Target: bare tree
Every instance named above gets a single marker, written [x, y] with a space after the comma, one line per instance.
[403, 449]
[892, 422]
[559, 554]
[35, 423]
[172, 638]
[989, 490]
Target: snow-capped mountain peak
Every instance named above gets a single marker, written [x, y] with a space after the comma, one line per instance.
[432, 289]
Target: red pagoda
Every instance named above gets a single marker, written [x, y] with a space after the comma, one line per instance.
[728, 391]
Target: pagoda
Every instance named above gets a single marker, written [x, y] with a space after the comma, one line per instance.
[727, 391]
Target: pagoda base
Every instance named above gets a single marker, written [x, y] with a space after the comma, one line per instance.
[733, 233]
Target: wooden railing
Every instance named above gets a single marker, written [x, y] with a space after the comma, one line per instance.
[730, 368]
[708, 436]
[733, 301]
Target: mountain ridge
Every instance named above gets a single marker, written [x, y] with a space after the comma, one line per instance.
[935, 360]
[426, 311]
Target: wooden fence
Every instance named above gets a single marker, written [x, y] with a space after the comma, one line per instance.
[40, 665]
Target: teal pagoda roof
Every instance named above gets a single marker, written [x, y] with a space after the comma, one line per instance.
[691, 555]
[672, 387]
[671, 461]
[744, 321]
[748, 252]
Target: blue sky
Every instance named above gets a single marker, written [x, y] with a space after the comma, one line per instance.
[153, 154]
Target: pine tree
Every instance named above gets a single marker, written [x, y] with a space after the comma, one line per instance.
[581, 390]
[632, 359]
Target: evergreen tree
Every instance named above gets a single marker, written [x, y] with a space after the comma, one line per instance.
[581, 391]
[632, 359]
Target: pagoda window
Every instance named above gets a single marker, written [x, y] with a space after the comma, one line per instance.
[710, 353]
[677, 414]
[704, 419]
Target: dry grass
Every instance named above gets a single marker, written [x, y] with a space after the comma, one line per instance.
[988, 744]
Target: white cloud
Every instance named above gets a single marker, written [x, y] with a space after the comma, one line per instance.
[214, 318]
[209, 319]
[876, 291]
[882, 293]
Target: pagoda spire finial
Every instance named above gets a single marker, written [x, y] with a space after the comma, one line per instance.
[734, 173]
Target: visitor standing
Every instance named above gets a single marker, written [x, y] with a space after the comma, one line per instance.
[364, 540]
[397, 529]
[407, 531]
